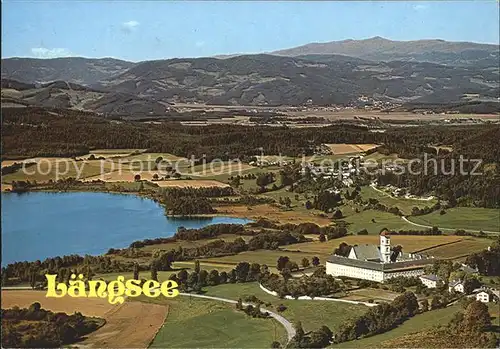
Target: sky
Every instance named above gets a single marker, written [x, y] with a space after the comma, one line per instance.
[147, 30]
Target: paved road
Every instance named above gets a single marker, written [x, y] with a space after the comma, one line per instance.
[449, 229]
[288, 326]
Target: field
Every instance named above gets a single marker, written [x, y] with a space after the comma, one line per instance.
[194, 243]
[135, 322]
[467, 218]
[460, 249]
[195, 183]
[132, 325]
[409, 243]
[312, 314]
[59, 168]
[213, 324]
[405, 205]
[272, 213]
[87, 306]
[343, 148]
[365, 294]
[374, 221]
[268, 257]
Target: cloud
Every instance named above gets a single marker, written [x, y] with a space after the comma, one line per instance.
[42, 52]
[199, 43]
[129, 26]
[420, 7]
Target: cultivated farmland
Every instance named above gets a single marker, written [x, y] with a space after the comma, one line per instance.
[343, 148]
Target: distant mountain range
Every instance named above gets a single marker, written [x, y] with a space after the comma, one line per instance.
[380, 49]
[426, 71]
[79, 70]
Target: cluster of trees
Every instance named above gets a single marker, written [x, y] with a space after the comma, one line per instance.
[252, 310]
[318, 284]
[35, 327]
[187, 201]
[487, 261]
[469, 328]
[264, 179]
[432, 231]
[379, 319]
[261, 240]
[320, 338]
[271, 240]
[194, 281]
[210, 192]
[415, 211]
[15, 167]
[331, 231]
[210, 231]
[452, 181]
[374, 204]
[207, 232]
[325, 201]
[34, 272]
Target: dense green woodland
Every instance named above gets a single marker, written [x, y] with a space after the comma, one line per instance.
[39, 328]
[31, 132]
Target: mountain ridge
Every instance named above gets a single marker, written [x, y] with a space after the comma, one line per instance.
[415, 75]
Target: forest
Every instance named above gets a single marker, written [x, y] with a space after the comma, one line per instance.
[30, 132]
[35, 327]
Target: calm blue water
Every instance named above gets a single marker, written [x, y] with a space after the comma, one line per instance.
[40, 225]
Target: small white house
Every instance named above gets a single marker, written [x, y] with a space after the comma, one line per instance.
[483, 297]
[431, 281]
[456, 286]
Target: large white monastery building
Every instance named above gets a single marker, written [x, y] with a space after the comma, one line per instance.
[371, 262]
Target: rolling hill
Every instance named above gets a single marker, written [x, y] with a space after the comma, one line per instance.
[379, 49]
[426, 71]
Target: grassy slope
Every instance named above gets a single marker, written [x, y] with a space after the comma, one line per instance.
[465, 247]
[312, 314]
[212, 324]
[405, 205]
[363, 220]
[463, 218]
[420, 322]
[268, 257]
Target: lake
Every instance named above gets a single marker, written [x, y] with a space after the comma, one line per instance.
[39, 225]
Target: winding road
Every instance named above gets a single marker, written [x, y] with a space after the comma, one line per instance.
[288, 326]
[449, 229]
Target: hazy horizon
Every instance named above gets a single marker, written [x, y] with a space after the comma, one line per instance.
[243, 53]
[135, 31]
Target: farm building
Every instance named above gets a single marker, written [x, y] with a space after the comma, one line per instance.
[457, 286]
[431, 281]
[488, 295]
[377, 263]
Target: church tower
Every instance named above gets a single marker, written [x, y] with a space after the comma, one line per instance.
[385, 246]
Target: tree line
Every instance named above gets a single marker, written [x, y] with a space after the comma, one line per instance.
[35, 327]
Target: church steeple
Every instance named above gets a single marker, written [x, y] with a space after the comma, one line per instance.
[385, 246]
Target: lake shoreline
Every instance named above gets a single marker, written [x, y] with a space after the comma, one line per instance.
[80, 222]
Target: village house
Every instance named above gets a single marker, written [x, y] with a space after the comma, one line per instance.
[457, 286]
[431, 281]
[488, 295]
